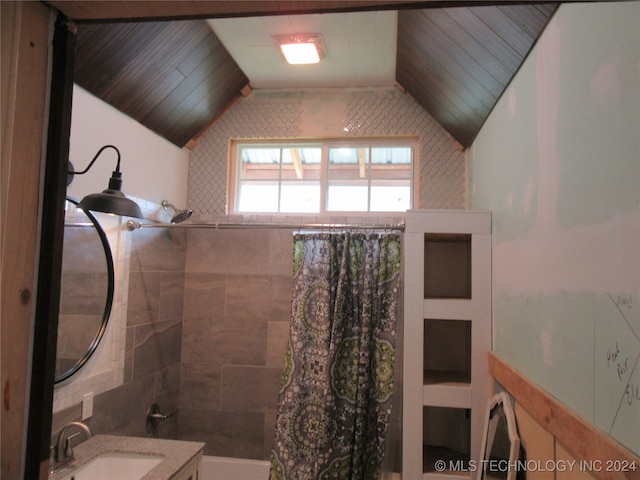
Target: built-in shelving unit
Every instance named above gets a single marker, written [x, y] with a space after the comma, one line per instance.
[447, 336]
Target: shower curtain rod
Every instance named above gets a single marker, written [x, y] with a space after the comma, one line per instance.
[79, 224]
[132, 225]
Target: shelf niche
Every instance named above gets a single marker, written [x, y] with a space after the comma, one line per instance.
[446, 436]
[447, 334]
[447, 352]
[447, 272]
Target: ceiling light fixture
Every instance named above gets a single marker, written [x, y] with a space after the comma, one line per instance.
[301, 49]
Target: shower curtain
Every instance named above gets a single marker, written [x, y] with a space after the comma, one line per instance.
[335, 396]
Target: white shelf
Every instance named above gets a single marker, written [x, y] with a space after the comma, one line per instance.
[445, 364]
[447, 378]
[448, 309]
[454, 396]
[448, 221]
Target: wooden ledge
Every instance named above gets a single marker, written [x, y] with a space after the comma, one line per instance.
[582, 439]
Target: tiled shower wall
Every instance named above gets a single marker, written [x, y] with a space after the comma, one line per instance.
[326, 114]
[153, 340]
[207, 326]
[237, 307]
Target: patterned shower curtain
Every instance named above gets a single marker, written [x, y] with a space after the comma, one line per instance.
[335, 396]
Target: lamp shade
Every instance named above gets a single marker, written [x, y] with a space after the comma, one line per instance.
[111, 200]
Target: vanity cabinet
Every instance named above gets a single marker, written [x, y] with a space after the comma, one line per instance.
[178, 459]
[191, 471]
[447, 337]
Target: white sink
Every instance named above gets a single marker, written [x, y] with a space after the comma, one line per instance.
[112, 466]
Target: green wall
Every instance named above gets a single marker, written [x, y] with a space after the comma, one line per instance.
[558, 163]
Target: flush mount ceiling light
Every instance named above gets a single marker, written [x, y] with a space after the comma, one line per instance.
[301, 49]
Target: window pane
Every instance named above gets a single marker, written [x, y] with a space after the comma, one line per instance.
[390, 198]
[260, 164]
[347, 198]
[391, 163]
[347, 163]
[301, 163]
[391, 155]
[258, 198]
[300, 197]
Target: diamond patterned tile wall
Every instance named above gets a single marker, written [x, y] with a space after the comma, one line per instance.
[321, 114]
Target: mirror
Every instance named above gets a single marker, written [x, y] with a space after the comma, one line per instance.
[86, 292]
[500, 443]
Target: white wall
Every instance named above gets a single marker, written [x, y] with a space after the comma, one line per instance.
[152, 167]
[558, 163]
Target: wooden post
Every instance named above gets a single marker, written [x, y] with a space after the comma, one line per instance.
[25, 43]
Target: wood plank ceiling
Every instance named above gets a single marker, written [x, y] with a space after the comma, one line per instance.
[456, 62]
[176, 77]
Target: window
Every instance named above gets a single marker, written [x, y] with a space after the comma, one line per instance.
[322, 177]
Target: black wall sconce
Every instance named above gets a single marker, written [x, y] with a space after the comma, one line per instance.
[111, 200]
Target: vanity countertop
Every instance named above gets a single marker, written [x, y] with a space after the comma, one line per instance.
[176, 453]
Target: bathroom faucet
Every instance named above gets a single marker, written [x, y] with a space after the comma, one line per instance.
[62, 451]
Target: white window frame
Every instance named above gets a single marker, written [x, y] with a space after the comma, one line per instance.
[235, 164]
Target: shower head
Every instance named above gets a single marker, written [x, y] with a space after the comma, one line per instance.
[179, 215]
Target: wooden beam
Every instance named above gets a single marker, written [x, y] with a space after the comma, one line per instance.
[582, 439]
[149, 10]
[297, 163]
[25, 52]
[362, 164]
[45, 332]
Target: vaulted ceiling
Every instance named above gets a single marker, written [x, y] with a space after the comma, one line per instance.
[162, 64]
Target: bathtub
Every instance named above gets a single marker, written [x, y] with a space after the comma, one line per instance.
[223, 468]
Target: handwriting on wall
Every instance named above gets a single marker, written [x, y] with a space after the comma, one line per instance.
[617, 385]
